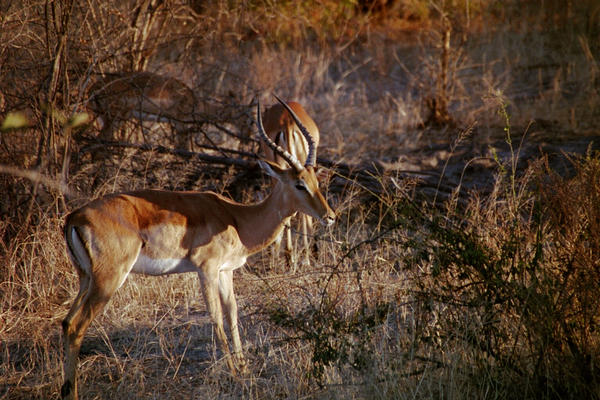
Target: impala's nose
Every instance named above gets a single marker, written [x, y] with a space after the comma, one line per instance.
[329, 219]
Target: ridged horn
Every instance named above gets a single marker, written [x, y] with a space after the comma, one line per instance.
[293, 161]
[311, 159]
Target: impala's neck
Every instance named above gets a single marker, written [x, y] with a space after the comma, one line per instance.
[259, 224]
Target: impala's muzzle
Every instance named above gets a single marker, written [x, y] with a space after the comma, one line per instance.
[329, 220]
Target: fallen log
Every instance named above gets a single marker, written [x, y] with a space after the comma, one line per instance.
[372, 178]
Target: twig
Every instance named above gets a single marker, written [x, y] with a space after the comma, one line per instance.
[36, 177]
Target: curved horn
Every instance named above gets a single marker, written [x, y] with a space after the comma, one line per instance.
[311, 159]
[293, 161]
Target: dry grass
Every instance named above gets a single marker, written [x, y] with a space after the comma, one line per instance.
[489, 294]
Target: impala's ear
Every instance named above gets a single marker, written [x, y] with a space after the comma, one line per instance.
[271, 169]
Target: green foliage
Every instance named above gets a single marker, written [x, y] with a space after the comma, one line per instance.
[335, 337]
[15, 120]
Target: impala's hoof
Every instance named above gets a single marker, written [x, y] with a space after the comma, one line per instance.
[315, 248]
[242, 367]
[66, 389]
[290, 260]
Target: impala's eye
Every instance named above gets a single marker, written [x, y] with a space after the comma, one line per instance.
[301, 186]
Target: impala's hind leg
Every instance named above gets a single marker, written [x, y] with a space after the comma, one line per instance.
[93, 295]
[89, 302]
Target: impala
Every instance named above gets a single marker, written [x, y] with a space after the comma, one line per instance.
[159, 232]
[296, 132]
[145, 96]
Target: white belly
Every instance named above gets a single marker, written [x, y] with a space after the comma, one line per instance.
[232, 264]
[161, 266]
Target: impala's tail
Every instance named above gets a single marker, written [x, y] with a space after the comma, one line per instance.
[77, 249]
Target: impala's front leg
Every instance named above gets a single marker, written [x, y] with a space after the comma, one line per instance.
[209, 281]
[289, 246]
[230, 307]
[183, 137]
[287, 249]
[307, 229]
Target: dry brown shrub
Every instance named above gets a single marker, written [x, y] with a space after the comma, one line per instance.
[492, 296]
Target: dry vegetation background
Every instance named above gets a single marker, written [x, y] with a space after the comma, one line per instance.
[461, 138]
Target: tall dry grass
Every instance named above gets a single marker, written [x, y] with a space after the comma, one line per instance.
[486, 293]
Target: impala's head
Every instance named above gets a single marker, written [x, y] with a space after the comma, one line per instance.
[302, 190]
[299, 181]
